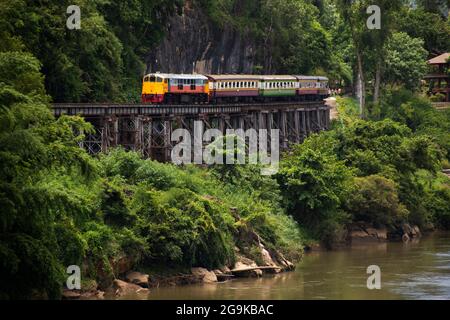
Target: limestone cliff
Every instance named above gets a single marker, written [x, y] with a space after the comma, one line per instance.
[194, 43]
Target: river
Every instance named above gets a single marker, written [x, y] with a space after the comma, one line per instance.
[415, 270]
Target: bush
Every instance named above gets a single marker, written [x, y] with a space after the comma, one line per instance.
[375, 200]
[158, 175]
[314, 184]
[114, 207]
[119, 162]
[182, 227]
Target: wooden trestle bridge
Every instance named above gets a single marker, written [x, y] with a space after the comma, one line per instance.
[148, 128]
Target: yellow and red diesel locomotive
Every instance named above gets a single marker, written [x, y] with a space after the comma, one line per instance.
[163, 88]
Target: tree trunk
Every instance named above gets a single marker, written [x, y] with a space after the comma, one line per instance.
[376, 89]
[361, 92]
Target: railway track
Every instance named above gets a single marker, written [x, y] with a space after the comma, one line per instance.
[104, 109]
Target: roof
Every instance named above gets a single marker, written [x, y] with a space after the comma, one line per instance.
[218, 77]
[179, 76]
[320, 78]
[278, 77]
[442, 59]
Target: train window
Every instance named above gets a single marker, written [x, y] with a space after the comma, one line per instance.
[152, 78]
[158, 79]
[146, 79]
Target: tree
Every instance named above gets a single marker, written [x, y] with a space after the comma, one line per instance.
[376, 201]
[314, 185]
[417, 23]
[368, 43]
[405, 60]
[440, 7]
[33, 148]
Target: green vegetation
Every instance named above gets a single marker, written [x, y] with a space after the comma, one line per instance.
[103, 61]
[60, 206]
[384, 171]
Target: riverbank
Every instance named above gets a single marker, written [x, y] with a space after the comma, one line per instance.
[413, 270]
[142, 283]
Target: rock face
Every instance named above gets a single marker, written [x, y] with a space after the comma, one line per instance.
[243, 263]
[409, 232]
[138, 278]
[194, 43]
[71, 295]
[124, 288]
[365, 233]
[206, 275]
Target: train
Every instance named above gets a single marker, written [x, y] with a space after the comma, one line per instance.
[166, 88]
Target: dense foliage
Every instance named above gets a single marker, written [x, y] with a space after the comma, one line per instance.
[103, 61]
[383, 172]
[61, 207]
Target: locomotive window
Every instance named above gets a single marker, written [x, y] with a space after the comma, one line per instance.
[146, 79]
[152, 78]
[158, 79]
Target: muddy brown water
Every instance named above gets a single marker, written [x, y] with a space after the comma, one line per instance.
[414, 270]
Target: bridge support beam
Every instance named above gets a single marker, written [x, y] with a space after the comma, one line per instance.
[148, 129]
